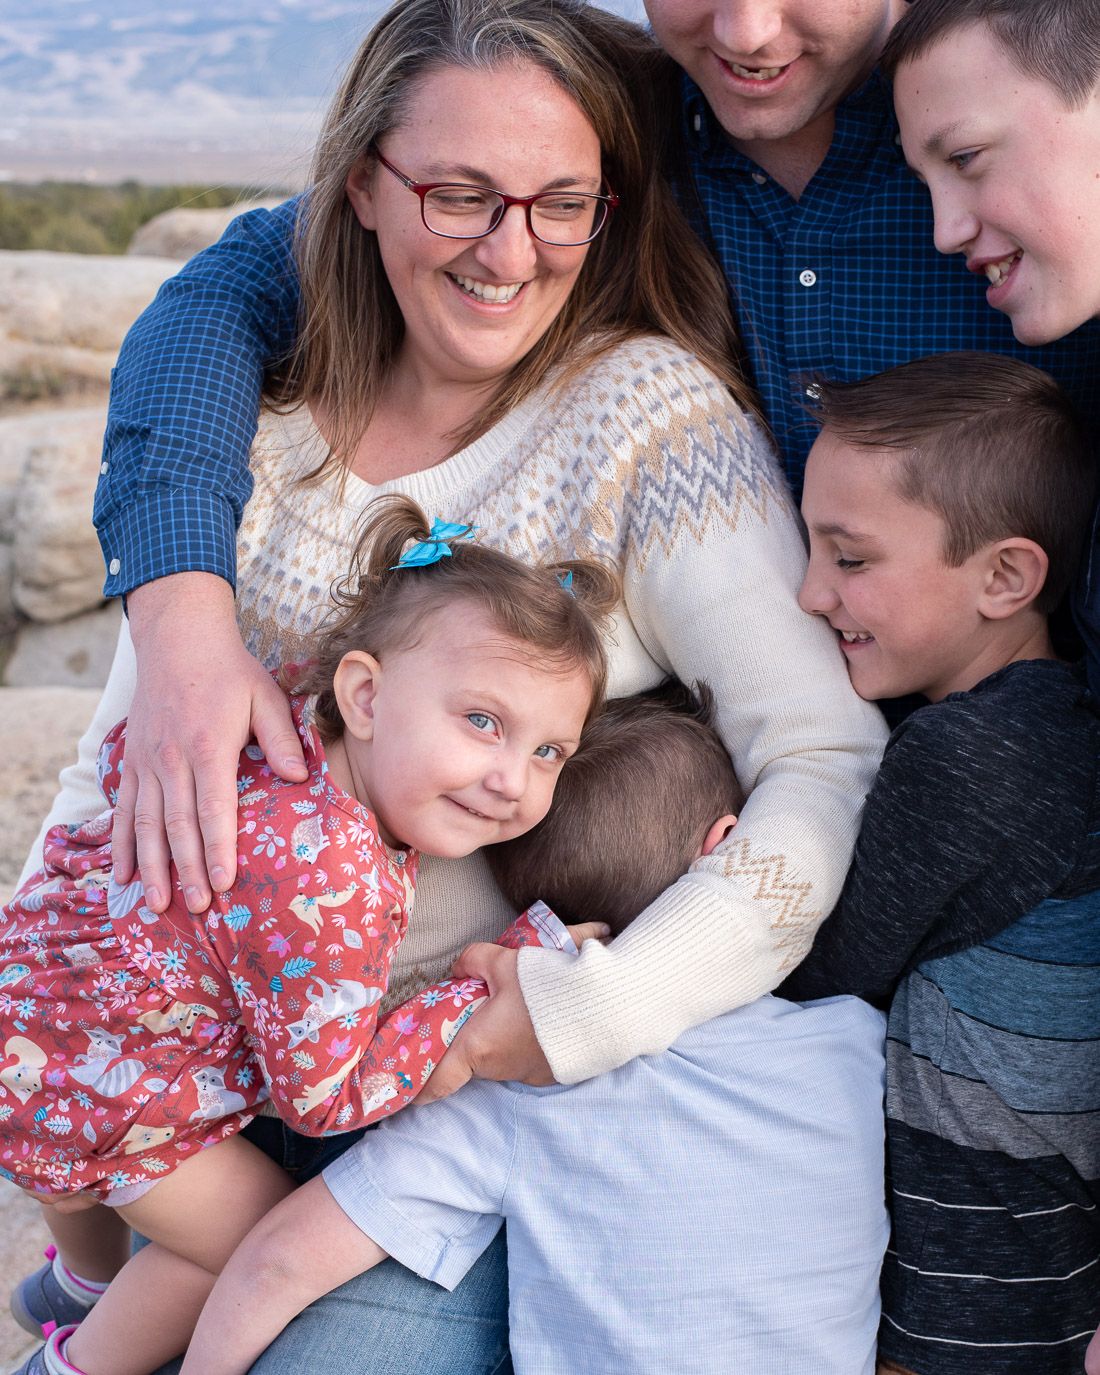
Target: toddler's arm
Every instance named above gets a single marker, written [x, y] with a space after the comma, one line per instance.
[304, 1247]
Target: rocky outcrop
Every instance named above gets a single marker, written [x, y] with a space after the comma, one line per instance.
[182, 233]
[63, 317]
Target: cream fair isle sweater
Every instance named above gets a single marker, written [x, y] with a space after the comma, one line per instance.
[646, 461]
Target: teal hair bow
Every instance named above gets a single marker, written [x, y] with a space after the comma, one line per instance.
[437, 546]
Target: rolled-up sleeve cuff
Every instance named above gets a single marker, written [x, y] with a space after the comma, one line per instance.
[170, 530]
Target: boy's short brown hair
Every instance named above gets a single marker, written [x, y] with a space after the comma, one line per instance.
[988, 443]
[1056, 41]
[630, 812]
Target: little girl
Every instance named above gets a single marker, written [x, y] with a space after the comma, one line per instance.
[447, 692]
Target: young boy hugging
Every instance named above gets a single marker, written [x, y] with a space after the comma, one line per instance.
[715, 1207]
[946, 503]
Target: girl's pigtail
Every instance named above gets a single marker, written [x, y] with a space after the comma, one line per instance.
[394, 523]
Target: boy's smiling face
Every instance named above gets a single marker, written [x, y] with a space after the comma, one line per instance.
[1014, 173]
[906, 621]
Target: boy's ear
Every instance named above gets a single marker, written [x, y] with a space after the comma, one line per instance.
[717, 833]
[1016, 570]
[354, 685]
[358, 189]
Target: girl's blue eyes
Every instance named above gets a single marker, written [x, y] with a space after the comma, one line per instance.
[482, 721]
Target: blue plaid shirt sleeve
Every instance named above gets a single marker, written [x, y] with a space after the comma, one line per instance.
[184, 399]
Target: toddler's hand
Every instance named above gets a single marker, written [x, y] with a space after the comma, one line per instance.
[589, 931]
[65, 1203]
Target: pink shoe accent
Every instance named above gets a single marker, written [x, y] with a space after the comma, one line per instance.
[49, 1328]
[50, 1252]
[56, 1344]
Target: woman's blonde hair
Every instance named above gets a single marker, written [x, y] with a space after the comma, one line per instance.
[560, 609]
[646, 272]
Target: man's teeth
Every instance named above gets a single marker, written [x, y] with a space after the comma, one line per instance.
[855, 637]
[755, 73]
[997, 272]
[485, 291]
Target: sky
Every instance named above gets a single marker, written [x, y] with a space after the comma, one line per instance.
[174, 90]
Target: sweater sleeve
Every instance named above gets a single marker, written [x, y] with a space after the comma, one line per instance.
[963, 834]
[184, 400]
[713, 598]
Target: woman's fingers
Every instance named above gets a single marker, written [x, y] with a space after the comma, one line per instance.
[200, 697]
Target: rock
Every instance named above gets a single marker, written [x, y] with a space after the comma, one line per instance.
[74, 653]
[181, 233]
[58, 565]
[64, 315]
[39, 730]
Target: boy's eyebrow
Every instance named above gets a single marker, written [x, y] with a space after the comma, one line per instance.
[834, 529]
[937, 141]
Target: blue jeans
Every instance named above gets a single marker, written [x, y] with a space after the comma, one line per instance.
[388, 1321]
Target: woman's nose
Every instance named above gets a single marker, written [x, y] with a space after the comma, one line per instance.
[510, 251]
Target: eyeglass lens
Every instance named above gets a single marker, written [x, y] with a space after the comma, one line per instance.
[558, 217]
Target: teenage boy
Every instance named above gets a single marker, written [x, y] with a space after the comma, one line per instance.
[946, 501]
[999, 107]
[787, 160]
[715, 1207]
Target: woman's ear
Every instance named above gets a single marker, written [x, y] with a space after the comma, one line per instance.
[359, 191]
[355, 686]
[716, 834]
[1016, 571]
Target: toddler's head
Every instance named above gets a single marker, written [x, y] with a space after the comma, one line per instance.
[651, 789]
[453, 681]
[947, 502]
[999, 107]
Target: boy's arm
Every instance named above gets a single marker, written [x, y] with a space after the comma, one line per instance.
[959, 840]
[306, 1246]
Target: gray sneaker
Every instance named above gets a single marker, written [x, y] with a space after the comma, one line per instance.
[35, 1364]
[39, 1300]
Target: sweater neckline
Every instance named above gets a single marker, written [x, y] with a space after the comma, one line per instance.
[297, 431]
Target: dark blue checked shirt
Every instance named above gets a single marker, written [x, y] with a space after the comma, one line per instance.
[843, 282]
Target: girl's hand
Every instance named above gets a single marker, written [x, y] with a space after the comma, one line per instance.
[499, 1042]
[65, 1203]
[200, 697]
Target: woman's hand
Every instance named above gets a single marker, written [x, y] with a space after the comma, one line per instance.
[499, 1042]
[200, 697]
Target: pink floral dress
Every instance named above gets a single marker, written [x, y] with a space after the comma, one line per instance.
[130, 1039]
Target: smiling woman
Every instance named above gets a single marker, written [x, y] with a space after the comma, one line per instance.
[576, 399]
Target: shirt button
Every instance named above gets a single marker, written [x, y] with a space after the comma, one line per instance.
[759, 178]
[697, 123]
[114, 567]
[103, 467]
[807, 277]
